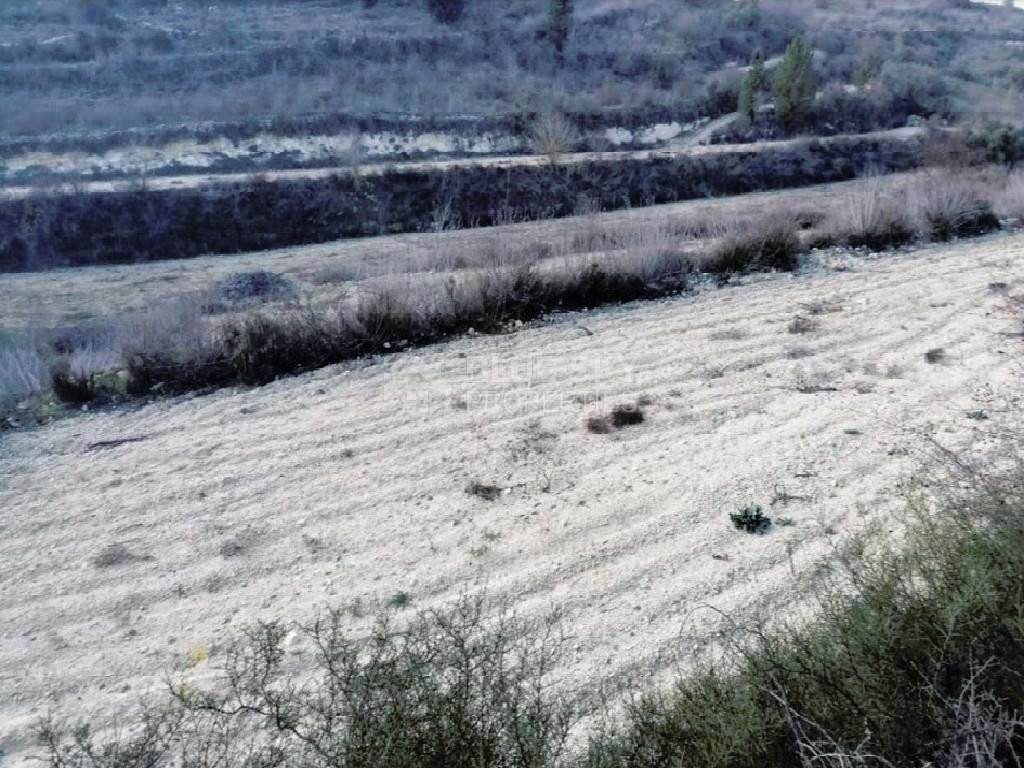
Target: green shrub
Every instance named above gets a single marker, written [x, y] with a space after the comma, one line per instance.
[751, 519]
[465, 687]
[794, 84]
[913, 659]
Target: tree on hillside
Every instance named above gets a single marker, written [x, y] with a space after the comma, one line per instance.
[559, 24]
[745, 103]
[753, 84]
[794, 84]
[446, 11]
[756, 74]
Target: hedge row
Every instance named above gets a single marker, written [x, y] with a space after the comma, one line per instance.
[44, 232]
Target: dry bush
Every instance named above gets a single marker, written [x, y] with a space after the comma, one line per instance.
[770, 243]
[553, 136]
[944, 206]
[873, 217]
[911, 657]
[467, 686]
[933, 207]
[23, 369]
[621, 416]
[1009, 201]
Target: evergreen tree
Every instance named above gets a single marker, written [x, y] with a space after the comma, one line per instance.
[794, 84]
[745, 103]
[559, 24]
[756, 74]
[446, 11]
[754, 82]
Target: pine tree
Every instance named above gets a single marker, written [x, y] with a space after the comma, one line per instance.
[446, 11]
[794, 85]
[745, 102]
[559, 24]
[756, 74]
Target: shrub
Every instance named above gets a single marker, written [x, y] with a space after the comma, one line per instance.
[559, 24]
[873, 217]
[484, 491]
[23, 368]
[621, 416]
[552, 135]
[69, 387]
[750, 519]
[945, 208]
[794, 84]
[261, 285]
[626, 416]
[446, 11]
[1009, 201]
[912, 659]
[464, 687]
[771, 243]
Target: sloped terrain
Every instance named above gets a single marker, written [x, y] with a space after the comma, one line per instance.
[136, 542]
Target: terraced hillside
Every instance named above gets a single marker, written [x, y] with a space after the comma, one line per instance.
[144, 538]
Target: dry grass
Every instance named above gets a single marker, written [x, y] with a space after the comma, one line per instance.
[1009, 201]
[932, 207]
[489, 284]
[23, 369]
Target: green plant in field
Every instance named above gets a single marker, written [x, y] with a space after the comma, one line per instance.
[751, 519]
[400, 600]
[795, 84]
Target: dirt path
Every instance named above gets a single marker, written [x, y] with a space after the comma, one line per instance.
[193, 181]
[131, 541]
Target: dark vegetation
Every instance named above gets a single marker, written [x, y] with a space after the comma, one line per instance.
[175, 353]
[769, 245]
[258, 347]
[750, 519]
[46, 231]
[912, 658]
[484, 491]
[621, 416]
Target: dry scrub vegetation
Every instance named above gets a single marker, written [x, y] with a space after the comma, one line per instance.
[913, 658]
[255, 327]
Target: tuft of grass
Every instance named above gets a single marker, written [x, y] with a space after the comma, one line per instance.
[802, 324]
[484, 491]
[935, 356]
[117, 554]
[400, 600]
[750, 519]
[626, 416]
[257, 286]
[621, 416]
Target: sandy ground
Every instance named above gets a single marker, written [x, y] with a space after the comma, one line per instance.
[49, 299]
[192, 181]
[348, 484]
